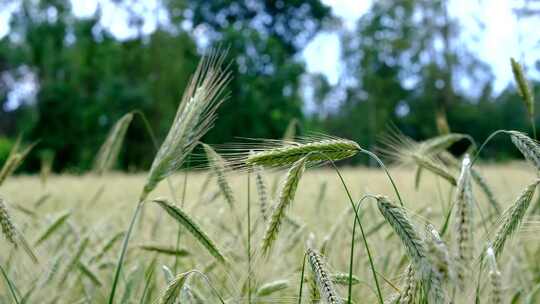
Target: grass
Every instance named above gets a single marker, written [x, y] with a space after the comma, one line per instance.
[106, 218]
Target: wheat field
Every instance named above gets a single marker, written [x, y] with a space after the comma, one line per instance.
[100, 206]
[273, 221]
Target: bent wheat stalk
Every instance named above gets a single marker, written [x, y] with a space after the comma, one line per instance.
[428, 164]
[315, 151]
[14, 160]
[194, 117]
[218, 165]
[513, 217]
[172, 292]
[527, 146]
[286, 196]
[324, 284]
[415, 248]
[275, 153]
[464, 221]
[108, 153]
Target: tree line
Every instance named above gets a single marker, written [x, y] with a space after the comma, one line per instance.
[404, 66]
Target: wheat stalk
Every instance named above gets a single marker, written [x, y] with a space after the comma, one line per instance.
[414, 246]
[428, 164]
[108, 152]
[89, 273]
[315, 151]
[14, 160]
[524, 89]
[513, 217]
[324, 284]
[286, 196]
[438, 252]
[290, 132]
[173, 289]
[218, 166]
[8, 228]
[11, 233]
[195, 116]
[494, 278]
[406, 295]
[343, 279]
[527, 146]
[463, 203]
[262, 190]
[74, 259]
[395, 216]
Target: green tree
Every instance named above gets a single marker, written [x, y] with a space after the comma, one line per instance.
[264, 38]
[87, 79]
[403, 67]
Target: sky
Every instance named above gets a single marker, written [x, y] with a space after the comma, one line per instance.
[503, 35]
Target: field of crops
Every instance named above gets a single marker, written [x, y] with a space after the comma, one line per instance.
[76, 261]
[273, 221]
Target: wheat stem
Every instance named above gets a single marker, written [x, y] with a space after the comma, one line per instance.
[123, 252]
[11, 286]
[372, 266]
[249, 234]
[302, 278]
[490, 137]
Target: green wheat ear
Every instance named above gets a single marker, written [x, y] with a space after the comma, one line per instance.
[323, 280]
[285, 154]
[286, 196]
[195, 116]
[523, 87]
[11, 233]
[527, 146]
[218, 166]
[524, 91]
[15, 158]
[108, 153]
[513, 217]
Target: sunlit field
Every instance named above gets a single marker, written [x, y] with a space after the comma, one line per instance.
[76, 260]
